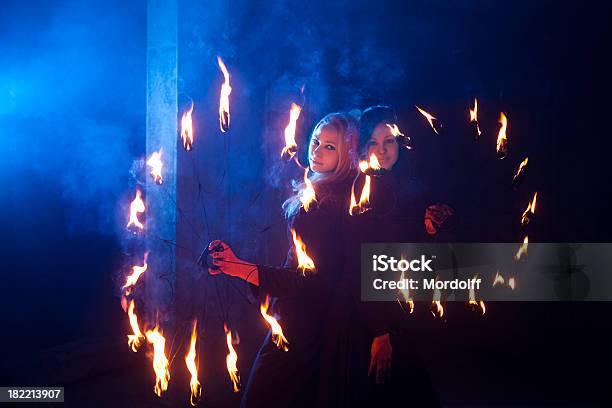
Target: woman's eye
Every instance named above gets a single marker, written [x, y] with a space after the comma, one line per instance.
[390, 140]
[371, 143]
[330, 147]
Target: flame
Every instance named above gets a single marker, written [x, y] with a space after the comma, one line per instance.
[232, 360]
[305, 262]
[512, 283]
[190, 360]
[308, 194]
[187, 129]
[406, 293]
[160, 361]
[530, 210]
[502, 148]
[523, 249]
[137, 206]
[474, 117]
[135, 275]
[156, 165]
[498, 279]
[430, 118]
[290, 145]
[437, 295]
[397, 133]
[134, 339]
[373, 164]
[226, 90]
[394, 130]
[520, 170]
[364, 199]
[277, 331]
[472, 296]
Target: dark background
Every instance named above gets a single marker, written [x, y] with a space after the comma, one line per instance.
[72, 120]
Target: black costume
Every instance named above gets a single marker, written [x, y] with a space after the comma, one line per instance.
[398, 204]
[289, 378]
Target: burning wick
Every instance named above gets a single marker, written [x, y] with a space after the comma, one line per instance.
[134, 339]
[498, 279]
[226, 90]
[474, 119]
[190, 360]
[305, 262]
[156, 165]
[522, 250]
[277, 331]
[430, 118]
[232, 359]
[530, 211]
[437, 295]
[160, 361]
[187, 129]
[472, 297]
[406, 293]
[135, 275]
[290, 146]
[364, 199]
[398, 134]
[502, 148]
[308, 194]
[137, 206]
[520, 174]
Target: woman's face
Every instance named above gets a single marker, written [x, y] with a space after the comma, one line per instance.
[383, 144]
[323, 150]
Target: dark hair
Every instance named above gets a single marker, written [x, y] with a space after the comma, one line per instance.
[370, 118]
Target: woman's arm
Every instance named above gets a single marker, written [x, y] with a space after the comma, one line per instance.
[275, 281]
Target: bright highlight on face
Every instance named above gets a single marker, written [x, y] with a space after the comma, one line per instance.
[384, 145]
[323, 150]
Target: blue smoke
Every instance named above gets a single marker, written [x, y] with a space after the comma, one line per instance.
[72, 100]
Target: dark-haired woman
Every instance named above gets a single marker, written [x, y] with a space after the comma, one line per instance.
[372, 361]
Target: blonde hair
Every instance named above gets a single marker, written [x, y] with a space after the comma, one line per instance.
[347, 128]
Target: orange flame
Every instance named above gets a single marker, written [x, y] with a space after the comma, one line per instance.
[232, 360]
[135, 275]
[502, 140]
[290, 145]
[530, 210]
[474, 117]
[364, 200]
[277, 331]
[523, 249]
[156, 165]
[472, 296]
[437, 295]
[226, 90]
[160, 361]
[406, 294]
[134, 339]
[498, 279]
[305, 262]
[430, 118]
[187, 129]
[190, 360]
[137, 206]
[308, 194]
[512, 283]
[521, 169]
